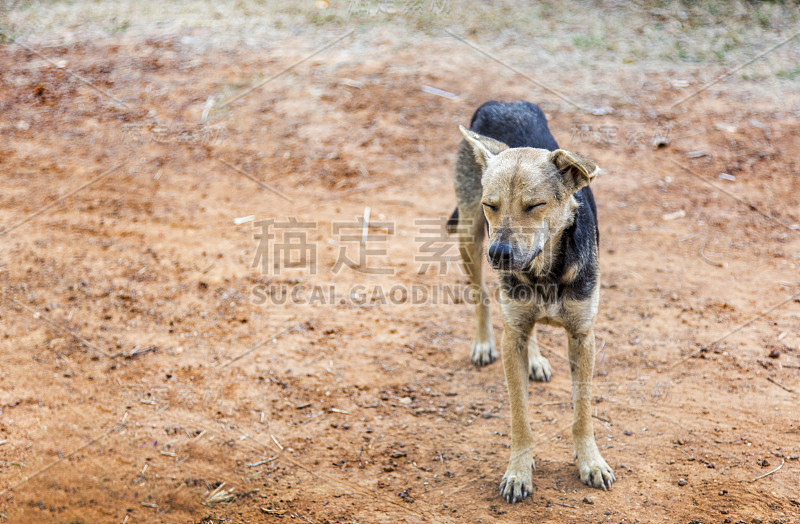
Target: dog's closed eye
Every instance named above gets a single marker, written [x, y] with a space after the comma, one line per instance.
[490, 206]
[534, 206]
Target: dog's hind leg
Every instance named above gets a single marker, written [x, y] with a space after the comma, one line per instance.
[471, 233]
[538, 366]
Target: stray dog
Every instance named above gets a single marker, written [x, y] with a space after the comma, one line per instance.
[512, 179]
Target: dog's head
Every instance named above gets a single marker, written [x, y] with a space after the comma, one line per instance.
[527, 197]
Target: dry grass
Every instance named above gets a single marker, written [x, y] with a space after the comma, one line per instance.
[220, 495]
[702, 32]
[698, 41]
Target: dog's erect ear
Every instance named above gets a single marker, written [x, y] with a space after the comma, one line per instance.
[483, 147]
[576, 170]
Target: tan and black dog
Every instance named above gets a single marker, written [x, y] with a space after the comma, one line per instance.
[511, 178]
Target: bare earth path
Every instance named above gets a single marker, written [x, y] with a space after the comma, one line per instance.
[150, 372]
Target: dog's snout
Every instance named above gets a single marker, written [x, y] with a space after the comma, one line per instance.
[501, 254]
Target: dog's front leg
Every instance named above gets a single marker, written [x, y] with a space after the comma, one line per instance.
[517, 482]
[593, 469]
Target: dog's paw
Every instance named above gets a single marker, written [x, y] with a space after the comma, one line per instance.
[539, 368]
[595, 472]
[483, 352]
[517, 483]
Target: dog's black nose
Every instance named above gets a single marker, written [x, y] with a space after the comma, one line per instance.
[500, 254]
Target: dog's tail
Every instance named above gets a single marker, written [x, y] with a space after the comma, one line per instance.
[452, 222]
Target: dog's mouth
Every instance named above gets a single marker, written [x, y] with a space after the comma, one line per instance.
[517, 263]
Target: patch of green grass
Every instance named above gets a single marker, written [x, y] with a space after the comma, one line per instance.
[763, 18]
[791, 74]
[588, 41]
[121, 27]
[319, 18]
[426, 22]
[731, 42]
[683, 54]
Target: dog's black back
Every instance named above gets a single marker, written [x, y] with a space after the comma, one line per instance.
[516, 124]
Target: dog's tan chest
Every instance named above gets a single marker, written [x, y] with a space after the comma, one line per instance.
[549, 313]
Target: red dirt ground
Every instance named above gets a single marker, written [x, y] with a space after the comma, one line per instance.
[124, 302]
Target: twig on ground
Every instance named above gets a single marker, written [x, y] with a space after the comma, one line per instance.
[770, 472]
[738, 328]
[601, 419]
[262, 462]
[273, 338]
[564, 505]
[37, 315]
[138, 351]
[780, 385]
[708, 260]
[61, 459]
[440, 92]
[357, 189]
